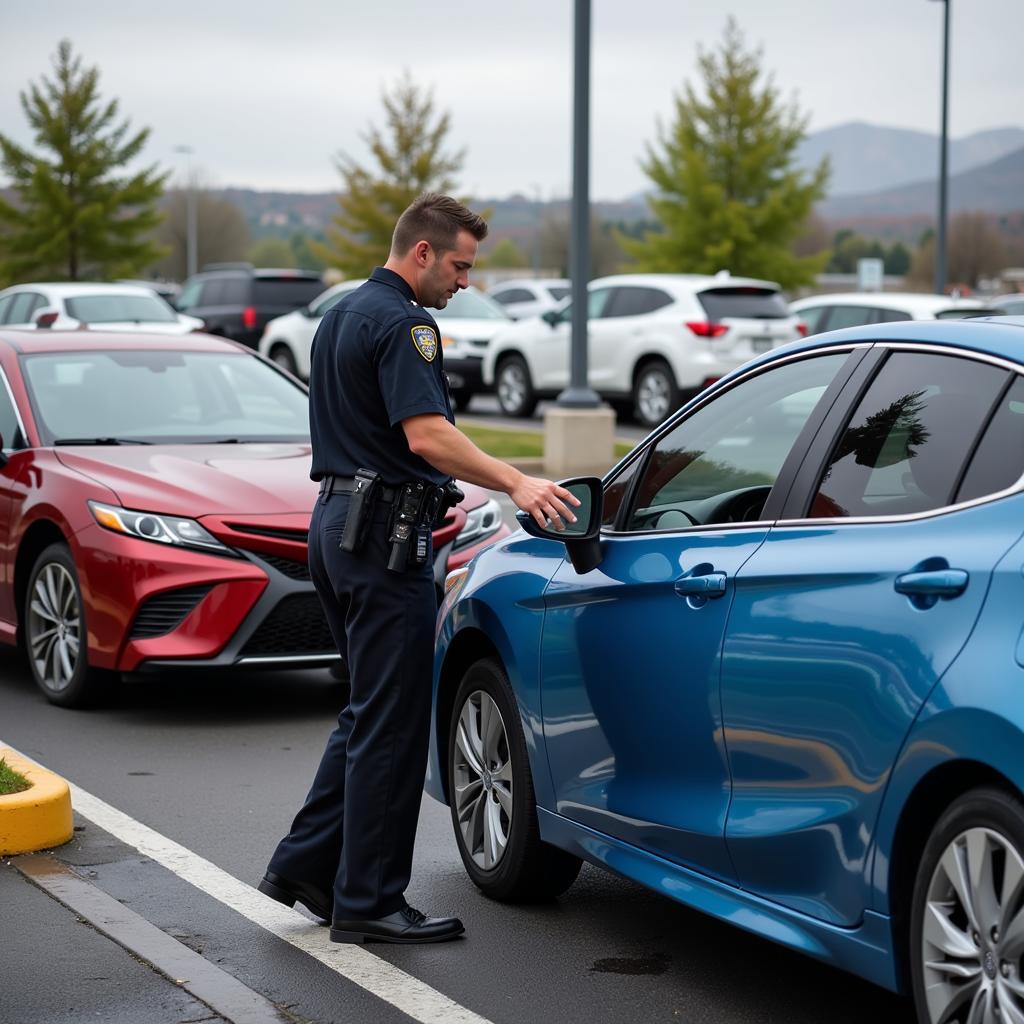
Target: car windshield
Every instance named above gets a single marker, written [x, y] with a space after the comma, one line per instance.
[163, 397]
[471, 305]
[113, 308]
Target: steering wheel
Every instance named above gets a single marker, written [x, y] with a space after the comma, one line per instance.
[744, 507]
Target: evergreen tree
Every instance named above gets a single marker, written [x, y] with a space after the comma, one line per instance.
[74, 216]
[410, 159]
[729, 195]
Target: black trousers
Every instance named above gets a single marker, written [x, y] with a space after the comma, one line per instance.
[356, 830]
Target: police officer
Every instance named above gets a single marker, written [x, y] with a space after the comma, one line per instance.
[384, 440]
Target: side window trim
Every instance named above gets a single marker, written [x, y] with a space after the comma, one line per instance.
[9, 443]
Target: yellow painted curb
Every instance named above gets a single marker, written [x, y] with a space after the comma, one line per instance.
[38, 817]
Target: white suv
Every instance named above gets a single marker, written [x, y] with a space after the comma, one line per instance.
[653, 339]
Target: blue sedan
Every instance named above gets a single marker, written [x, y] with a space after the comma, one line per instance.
[776, 669]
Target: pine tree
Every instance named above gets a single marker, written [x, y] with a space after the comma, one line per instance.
[728, 194]
[74, 216]
[410, 160]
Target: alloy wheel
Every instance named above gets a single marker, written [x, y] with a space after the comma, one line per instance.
[54, 623]
[653, 394]
[972, 939]
[483, 780]
[512, 387]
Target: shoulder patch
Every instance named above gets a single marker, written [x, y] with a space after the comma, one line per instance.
[425, 340]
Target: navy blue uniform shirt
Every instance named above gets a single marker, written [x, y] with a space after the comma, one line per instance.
[375, 361]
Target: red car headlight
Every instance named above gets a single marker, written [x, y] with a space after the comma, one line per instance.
[162, 529]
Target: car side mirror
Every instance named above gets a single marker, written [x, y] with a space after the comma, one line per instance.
[582, 539]
[552, 317]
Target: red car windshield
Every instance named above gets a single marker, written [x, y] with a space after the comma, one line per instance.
[158, 396]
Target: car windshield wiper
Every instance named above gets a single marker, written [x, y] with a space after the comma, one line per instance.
[99, 440]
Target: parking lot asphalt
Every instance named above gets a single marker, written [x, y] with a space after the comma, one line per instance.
[218, 764]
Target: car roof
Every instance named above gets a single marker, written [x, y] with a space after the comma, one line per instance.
[1001, 336]
[31, 342]
[685, 281]
[72, 288]
[921, 301]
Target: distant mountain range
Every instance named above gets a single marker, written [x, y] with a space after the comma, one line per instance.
[884, 181]
[872, 158]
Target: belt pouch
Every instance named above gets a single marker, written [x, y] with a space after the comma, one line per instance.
[360, 510]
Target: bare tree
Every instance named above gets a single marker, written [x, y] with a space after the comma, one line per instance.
[222, 235]
[976, 250]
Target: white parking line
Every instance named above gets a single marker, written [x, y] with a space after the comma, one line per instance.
[413, 997]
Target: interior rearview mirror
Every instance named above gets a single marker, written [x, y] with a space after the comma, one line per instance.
[582, 539]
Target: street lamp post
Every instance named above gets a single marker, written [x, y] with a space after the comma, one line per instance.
[579, 394]
[940, 241]
[191, 214]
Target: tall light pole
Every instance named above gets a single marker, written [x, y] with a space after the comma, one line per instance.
[579, 394]
[191, 214]
[940, 242]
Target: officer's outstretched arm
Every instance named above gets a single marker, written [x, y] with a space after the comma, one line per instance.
[447, 449]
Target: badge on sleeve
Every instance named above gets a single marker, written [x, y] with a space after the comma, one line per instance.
[425, 340]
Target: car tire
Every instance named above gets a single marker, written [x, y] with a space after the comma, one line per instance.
[655, 393]
[493, 806]
[979, 840]
[281, 354]
[54, 633]
[514, 388]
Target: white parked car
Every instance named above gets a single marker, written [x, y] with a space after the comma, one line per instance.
[467, 325]
[1011, 304]
[831, 312]
[528, 297]
[653, 339]
[117, 307]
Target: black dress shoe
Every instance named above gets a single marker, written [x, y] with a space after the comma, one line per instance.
[285, 891]
[406, 925]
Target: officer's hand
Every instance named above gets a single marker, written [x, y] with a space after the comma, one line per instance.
[545, 501]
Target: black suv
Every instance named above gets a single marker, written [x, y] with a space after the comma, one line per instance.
[236, 300]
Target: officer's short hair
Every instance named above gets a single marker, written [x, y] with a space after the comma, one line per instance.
[438, 219]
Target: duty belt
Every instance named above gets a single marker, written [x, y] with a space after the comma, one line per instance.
[347, 484]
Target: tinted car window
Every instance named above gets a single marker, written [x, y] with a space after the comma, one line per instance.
[998, 462]
[10, 430]
[964, 314]
[630, 301]
[848, 316]
[558, 292]
[615, 493]
[235, 291]
[5, 305]
[189, 296]
[888, 316]
[812, 318]
[100, 309]
[20, 307]
[743, 301]
[284, 291]
[719, 464]
[332, 300]
[905, 445]
[513, 295]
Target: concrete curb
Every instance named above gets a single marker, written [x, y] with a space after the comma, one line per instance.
[39, 817]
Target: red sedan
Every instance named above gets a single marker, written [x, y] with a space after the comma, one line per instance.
[154, 505]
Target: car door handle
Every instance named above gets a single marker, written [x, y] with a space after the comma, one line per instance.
[712, 584]
[937, 583]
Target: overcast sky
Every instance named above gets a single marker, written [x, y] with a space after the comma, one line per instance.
[266, 94]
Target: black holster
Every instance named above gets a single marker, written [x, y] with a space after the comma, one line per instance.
[360, 510]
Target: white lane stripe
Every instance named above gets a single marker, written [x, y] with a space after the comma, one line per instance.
[413, 997]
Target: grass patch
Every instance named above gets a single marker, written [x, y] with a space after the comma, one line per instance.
[10, 780]
[518, 444]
